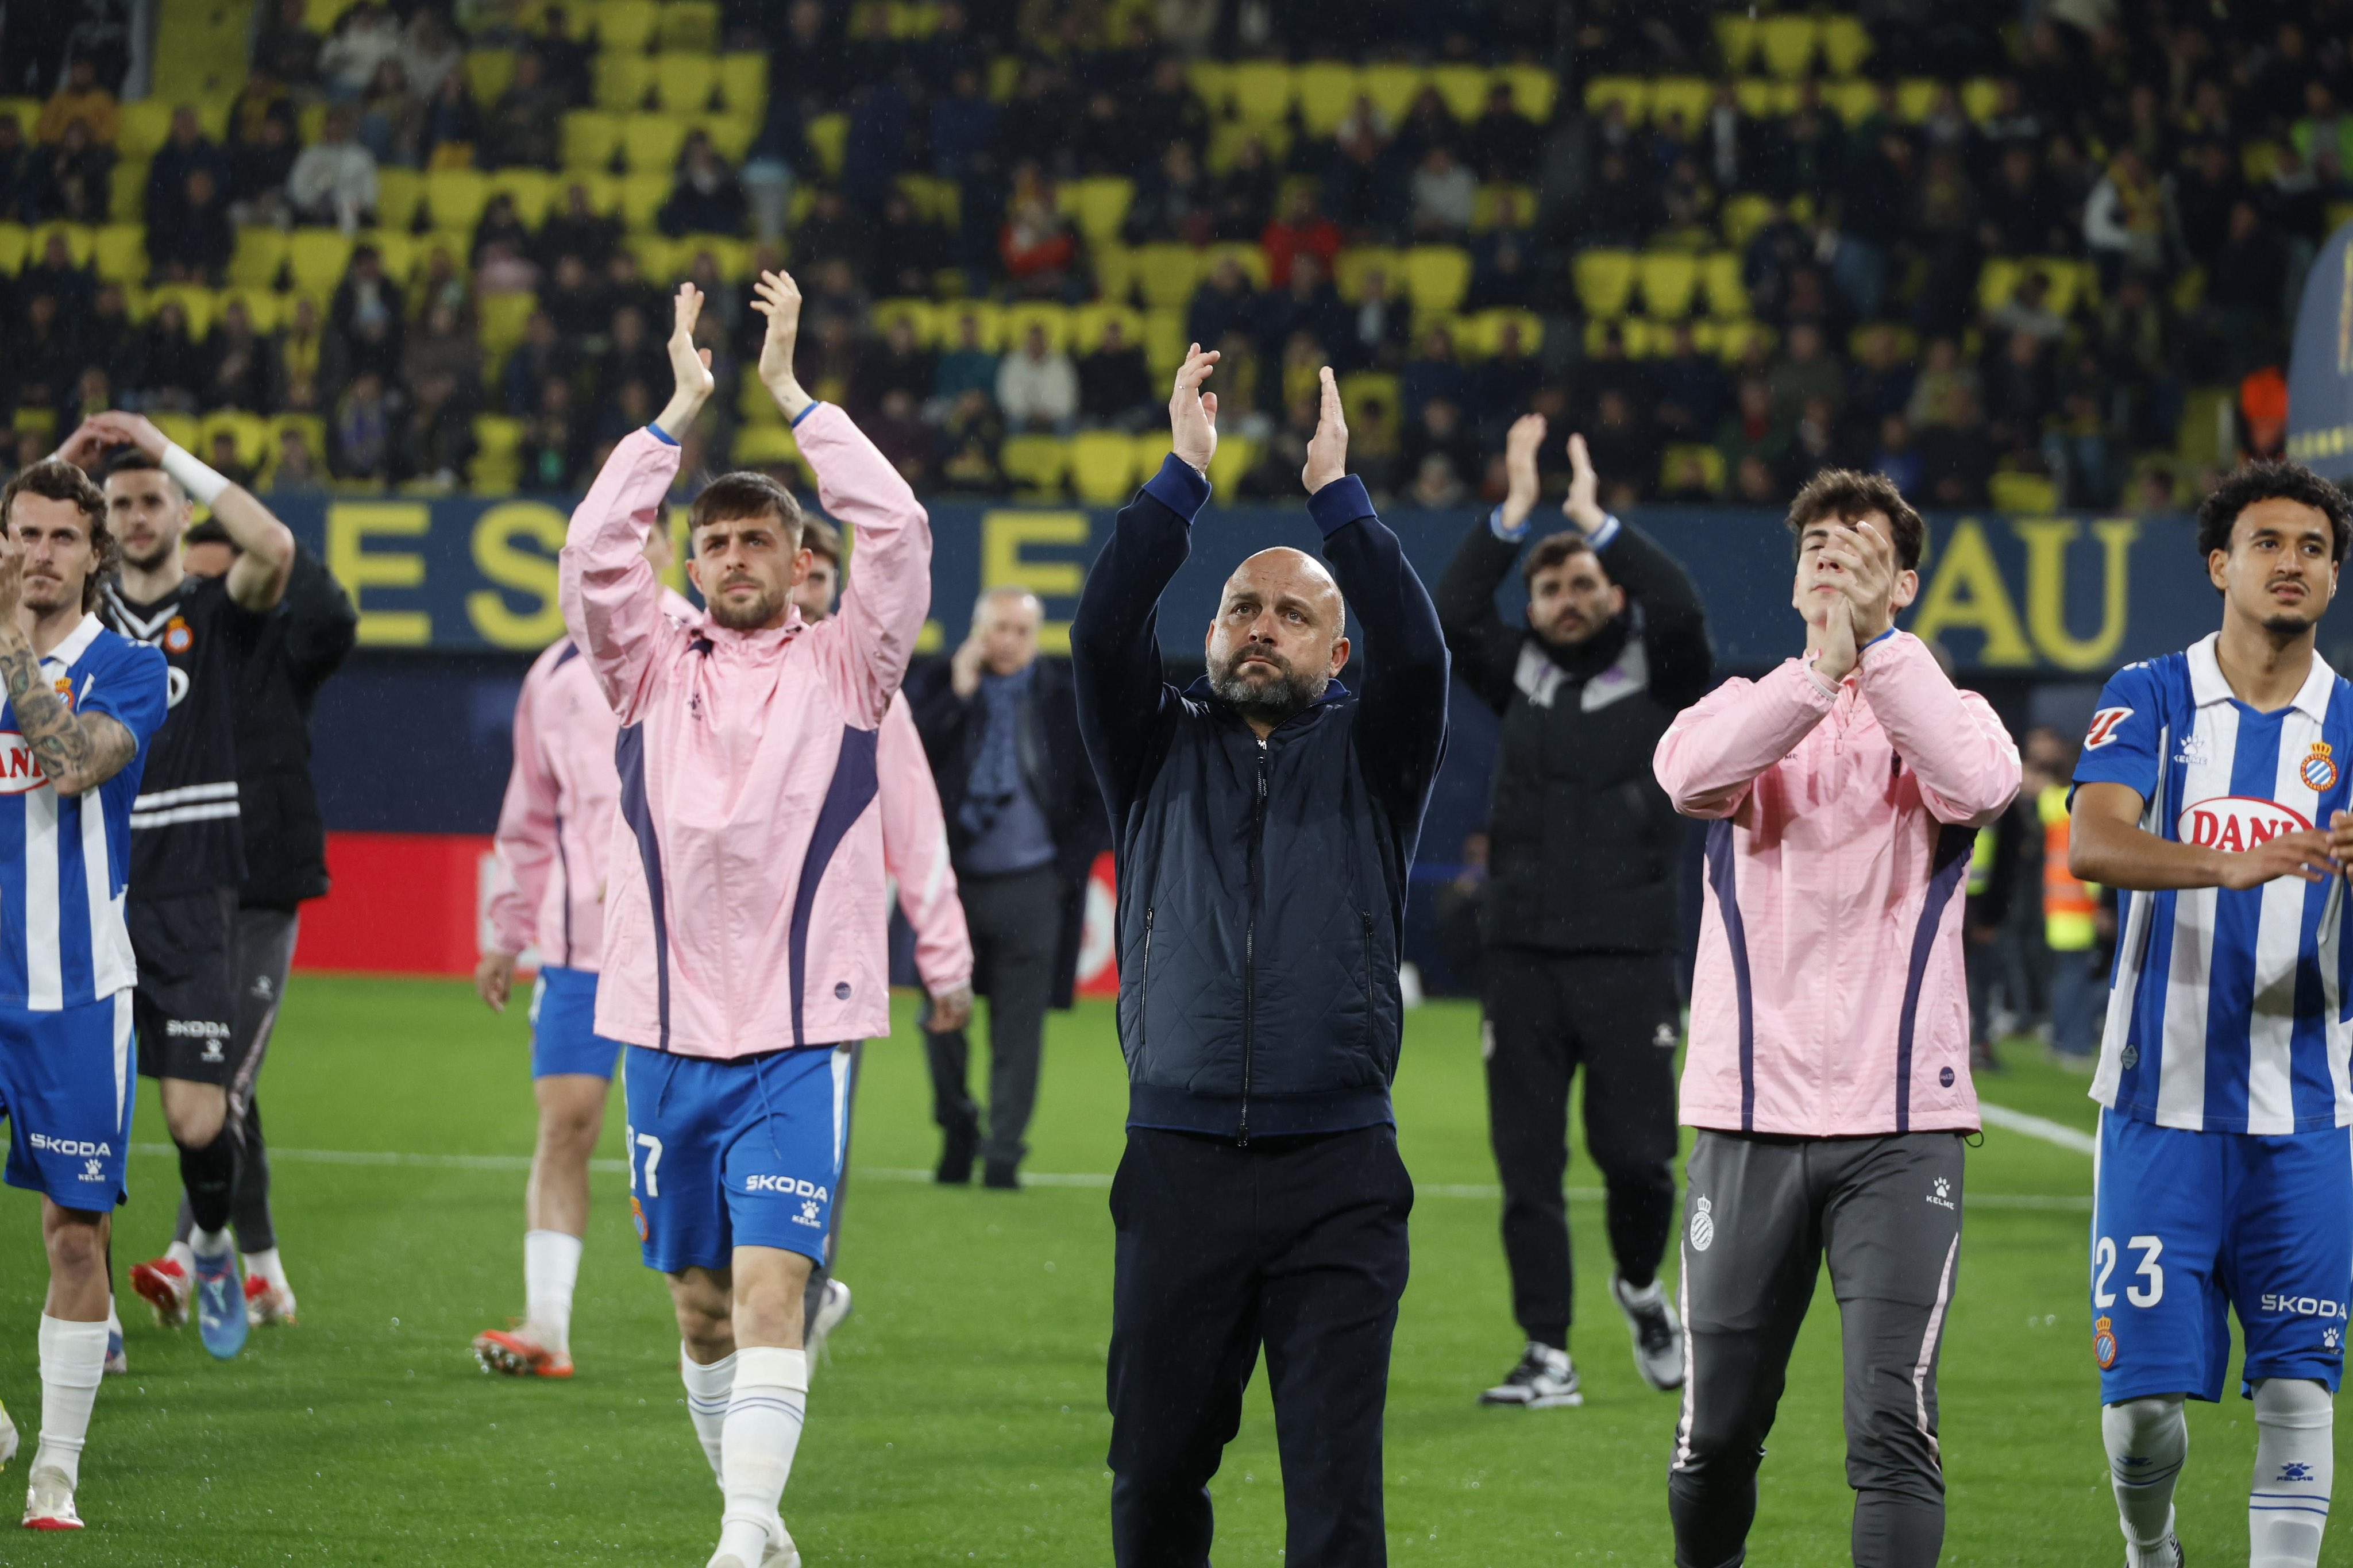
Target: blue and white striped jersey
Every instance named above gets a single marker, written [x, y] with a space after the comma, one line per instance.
[2227, 1009]
[64, 862]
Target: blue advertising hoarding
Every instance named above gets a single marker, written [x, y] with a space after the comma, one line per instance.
[2320, 366]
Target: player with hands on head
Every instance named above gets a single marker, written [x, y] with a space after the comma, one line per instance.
[1843, 792]
[83, 704]
[1579, 924]
[747, 764]
[2225, 1078]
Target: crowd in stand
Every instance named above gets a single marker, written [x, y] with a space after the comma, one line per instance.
[2191, 165]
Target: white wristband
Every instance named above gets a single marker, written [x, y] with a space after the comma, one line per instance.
[196, 475]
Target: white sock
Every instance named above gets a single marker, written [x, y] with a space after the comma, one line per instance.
[1648, 1295]
[180, 1253]
[551, 1265]
[2294, 1463]
[708, 1389]
[764, 1429]
[213, 1244]
[267, 1266]
[73, 1363]
[2147, 1440]
[114, 1317]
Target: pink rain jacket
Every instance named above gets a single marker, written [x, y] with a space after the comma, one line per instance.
[1829, 999]
[745, 897]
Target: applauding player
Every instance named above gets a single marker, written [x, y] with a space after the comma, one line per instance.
[81, 704]
[744, 933]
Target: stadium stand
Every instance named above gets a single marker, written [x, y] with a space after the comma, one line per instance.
[2024, 269]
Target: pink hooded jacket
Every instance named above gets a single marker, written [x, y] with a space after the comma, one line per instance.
[1829, 999]
[916, 854]
[745, 902]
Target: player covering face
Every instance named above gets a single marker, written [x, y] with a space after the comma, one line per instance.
[2224, 1168]
[744, 932]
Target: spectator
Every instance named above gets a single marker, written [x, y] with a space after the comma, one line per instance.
[1173, 202]
[40, 364]
[392, 120]
[1380, 328]
[1308, 306]
[1880, 381]
[899, 433]
[551, 447]
[1504, 145]
[1360, 191]
[1037, 388]
[106, 340]
[971, 436]
[631, 354]
[296, 469]
[101, 35]
[57, 274]
[2028, 310]
[708, 198]
[333, 180]
[1751, 433]
[364, 38]
[911, 251]
[1691, 391]
[1225, 303]
[1956, 459]
[1505, 383]
[835, 231]
[2124, 220]
[82, 101]
[229, 462]
[1814, 441]
[575, 300]
[544, 356]
[1168, 110]
[566, 54]
[430, 55]
[1299, 229]
[1276, 473]
[1623, 208]
[501, 253]
[1932, 399]
[1625, 450]
[1115, 389]
[1445, 193]
[576, 229]
[236, 374]
[185, 151]
[1807, 372]
[168, 367]
[259, 173]
[2247, 291]
[195, 246]
[1034, 244]
[626, 286]
[77, 172]
[286, 49]
[361, 439]
[524, 128]
[365, 322]
[1244, 195]
[968, 365]
[2202, 193]
[902, 365]
[1437, 432]
[450, 125]
[1503, 265]
[1613, 367]
[19, 184]
[1435, 373]
[2024, 214]
[1437, 485]
[298, 363]
[1897, 457]
[1107, 139]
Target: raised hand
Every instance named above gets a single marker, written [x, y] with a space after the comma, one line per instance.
[1521, 445]
[86, 446]
[1583, 507]
[1868, 555]
[1837, 648]
[1192, 413]
[2340, 840]
[778, 298]
[12, 579]
[690, 367]
[131, 430]
[2300, 855]
[1327, 449]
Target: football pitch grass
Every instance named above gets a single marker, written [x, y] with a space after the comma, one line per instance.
[960, 1418]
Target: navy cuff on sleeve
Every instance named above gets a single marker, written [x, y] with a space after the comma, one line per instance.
[1338, 504]
[664, 436]
[1604, 534]
[804, 413]
[1179, 487]
[1508, 535]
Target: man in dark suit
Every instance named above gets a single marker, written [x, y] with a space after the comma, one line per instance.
[1025, 824]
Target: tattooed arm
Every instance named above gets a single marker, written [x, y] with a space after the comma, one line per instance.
[78, 752]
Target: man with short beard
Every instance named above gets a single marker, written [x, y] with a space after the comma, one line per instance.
[1579, 923]
[1265, 822]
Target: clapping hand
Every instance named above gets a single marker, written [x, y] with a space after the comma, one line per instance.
[689, 366]
[1520, 449]
[1192, 413]
[1327, 450]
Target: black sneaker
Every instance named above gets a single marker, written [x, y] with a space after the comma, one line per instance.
[957, 1151]
[1546, 1378]
[1658, 1337]
[1002, 1174]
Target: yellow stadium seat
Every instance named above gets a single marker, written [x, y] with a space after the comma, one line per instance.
[650, 142]
[249, 431]
[2033, 494]
[1036, 465]
[766, 446]
[626, 25]
[1846, 44]
[1633, 331]
[266, 308]
[1166, 274]
[260, 253]
[146, 125]
[1164, 342]
[1731, 340]
[121, 253]
[1853, 100]
[685, 82]
[732, 134]
[126, 196]
[932, 197]
[1436, 278]
[591, 137]
[497, 436]
[1228, 137]
[1212, 79]
[657, 252]
[1535, 91]
[1762, 98]
[1263, 90]
[1789, 41]
[1604, 279]
[1054, 319]
[1684, 454]
[454, 197]
[743, 81]
[1236, 455]
[180, 429]
[195, 300]
[1352, 266]
[624, 82]
[1252, 259]
[988, 320]
[1087, 323]
[1915, 97]
[489, 73]
[534, 191]
[1004, 76]
[1098, 206]
[399, 195]
[1727, 296]
[1464, 89]
[689, 24]
[14, 240]
[504, 317]
[828, 135]
[1104, 468]
[1670, 279]
[1683, 98]
[318, 258]
[1115, 269]
[1393, 87]
[1488, 208]
[1483, 333]
[1744, 214]
[1735, 39]
[888, 314]
[733, 256]
[1631, 92]
[1997, 280]
[81, 239]
[1327, 92]
[2067, 282]
[1982, 98]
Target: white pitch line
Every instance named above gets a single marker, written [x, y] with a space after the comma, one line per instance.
[1482, 1191]
[2040, 1127]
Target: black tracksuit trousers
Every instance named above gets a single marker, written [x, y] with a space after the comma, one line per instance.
[1297, 1244]
[1618, 1015]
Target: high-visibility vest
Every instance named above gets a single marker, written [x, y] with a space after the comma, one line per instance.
[2069, 906]
[1982, 855]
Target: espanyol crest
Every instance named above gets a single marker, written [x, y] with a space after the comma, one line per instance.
[2319, 768]
[1703, 1227]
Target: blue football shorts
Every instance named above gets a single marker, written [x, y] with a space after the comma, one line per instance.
[564, 1037]
[67, 1089]
[2187, 1227]
[745, 1152]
